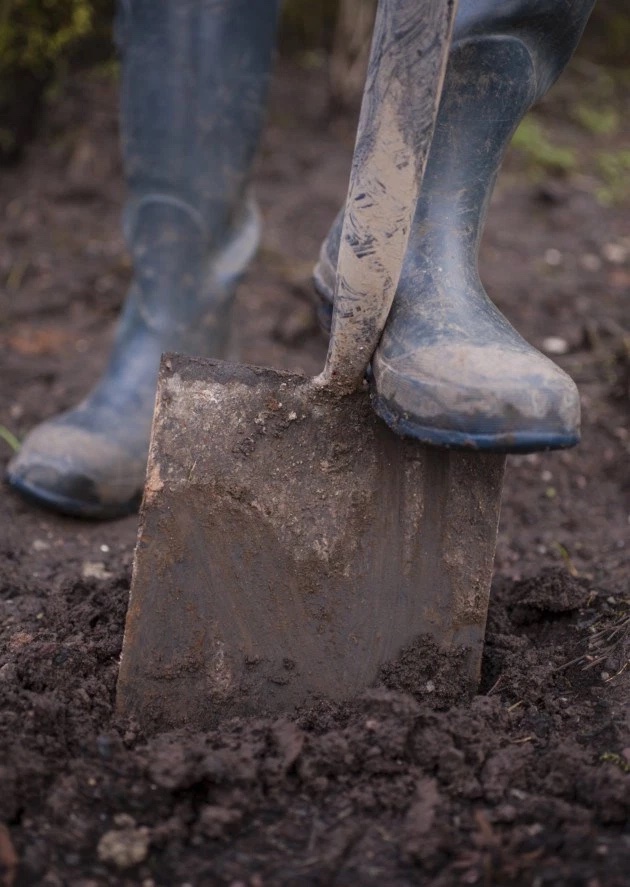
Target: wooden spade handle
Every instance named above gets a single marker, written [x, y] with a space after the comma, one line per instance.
[400, 101]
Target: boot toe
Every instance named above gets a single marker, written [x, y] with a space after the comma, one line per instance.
[77, 472]
[477, 397]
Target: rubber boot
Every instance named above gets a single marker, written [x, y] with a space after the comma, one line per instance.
[194, 82]
[449, 369]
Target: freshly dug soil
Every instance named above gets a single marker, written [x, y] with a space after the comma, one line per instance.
[421, 780]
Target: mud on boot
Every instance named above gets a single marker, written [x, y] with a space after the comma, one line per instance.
[450, 370]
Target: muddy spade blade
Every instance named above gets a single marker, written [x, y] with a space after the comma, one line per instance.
[290, 544]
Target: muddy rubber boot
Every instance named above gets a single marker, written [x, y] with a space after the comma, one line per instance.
[193, 91]
[450, 370]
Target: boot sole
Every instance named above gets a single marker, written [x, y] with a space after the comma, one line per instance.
[73, 507]
[504, 442]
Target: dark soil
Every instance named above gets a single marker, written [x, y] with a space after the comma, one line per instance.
[420, 780]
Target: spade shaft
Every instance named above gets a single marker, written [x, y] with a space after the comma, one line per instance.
[400, 101]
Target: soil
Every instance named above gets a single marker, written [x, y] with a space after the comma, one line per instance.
[421, 780]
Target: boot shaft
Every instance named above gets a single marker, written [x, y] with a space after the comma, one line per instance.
[505, 55]
[550, 29]
[194, 83]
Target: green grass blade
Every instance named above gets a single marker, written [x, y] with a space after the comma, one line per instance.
[9, 438]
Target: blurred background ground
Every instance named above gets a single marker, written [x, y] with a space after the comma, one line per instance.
[556, 259]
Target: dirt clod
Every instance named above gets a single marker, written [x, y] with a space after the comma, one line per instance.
[124, 847]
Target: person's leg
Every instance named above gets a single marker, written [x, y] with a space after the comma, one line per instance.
[194, 82]
[449, 369]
